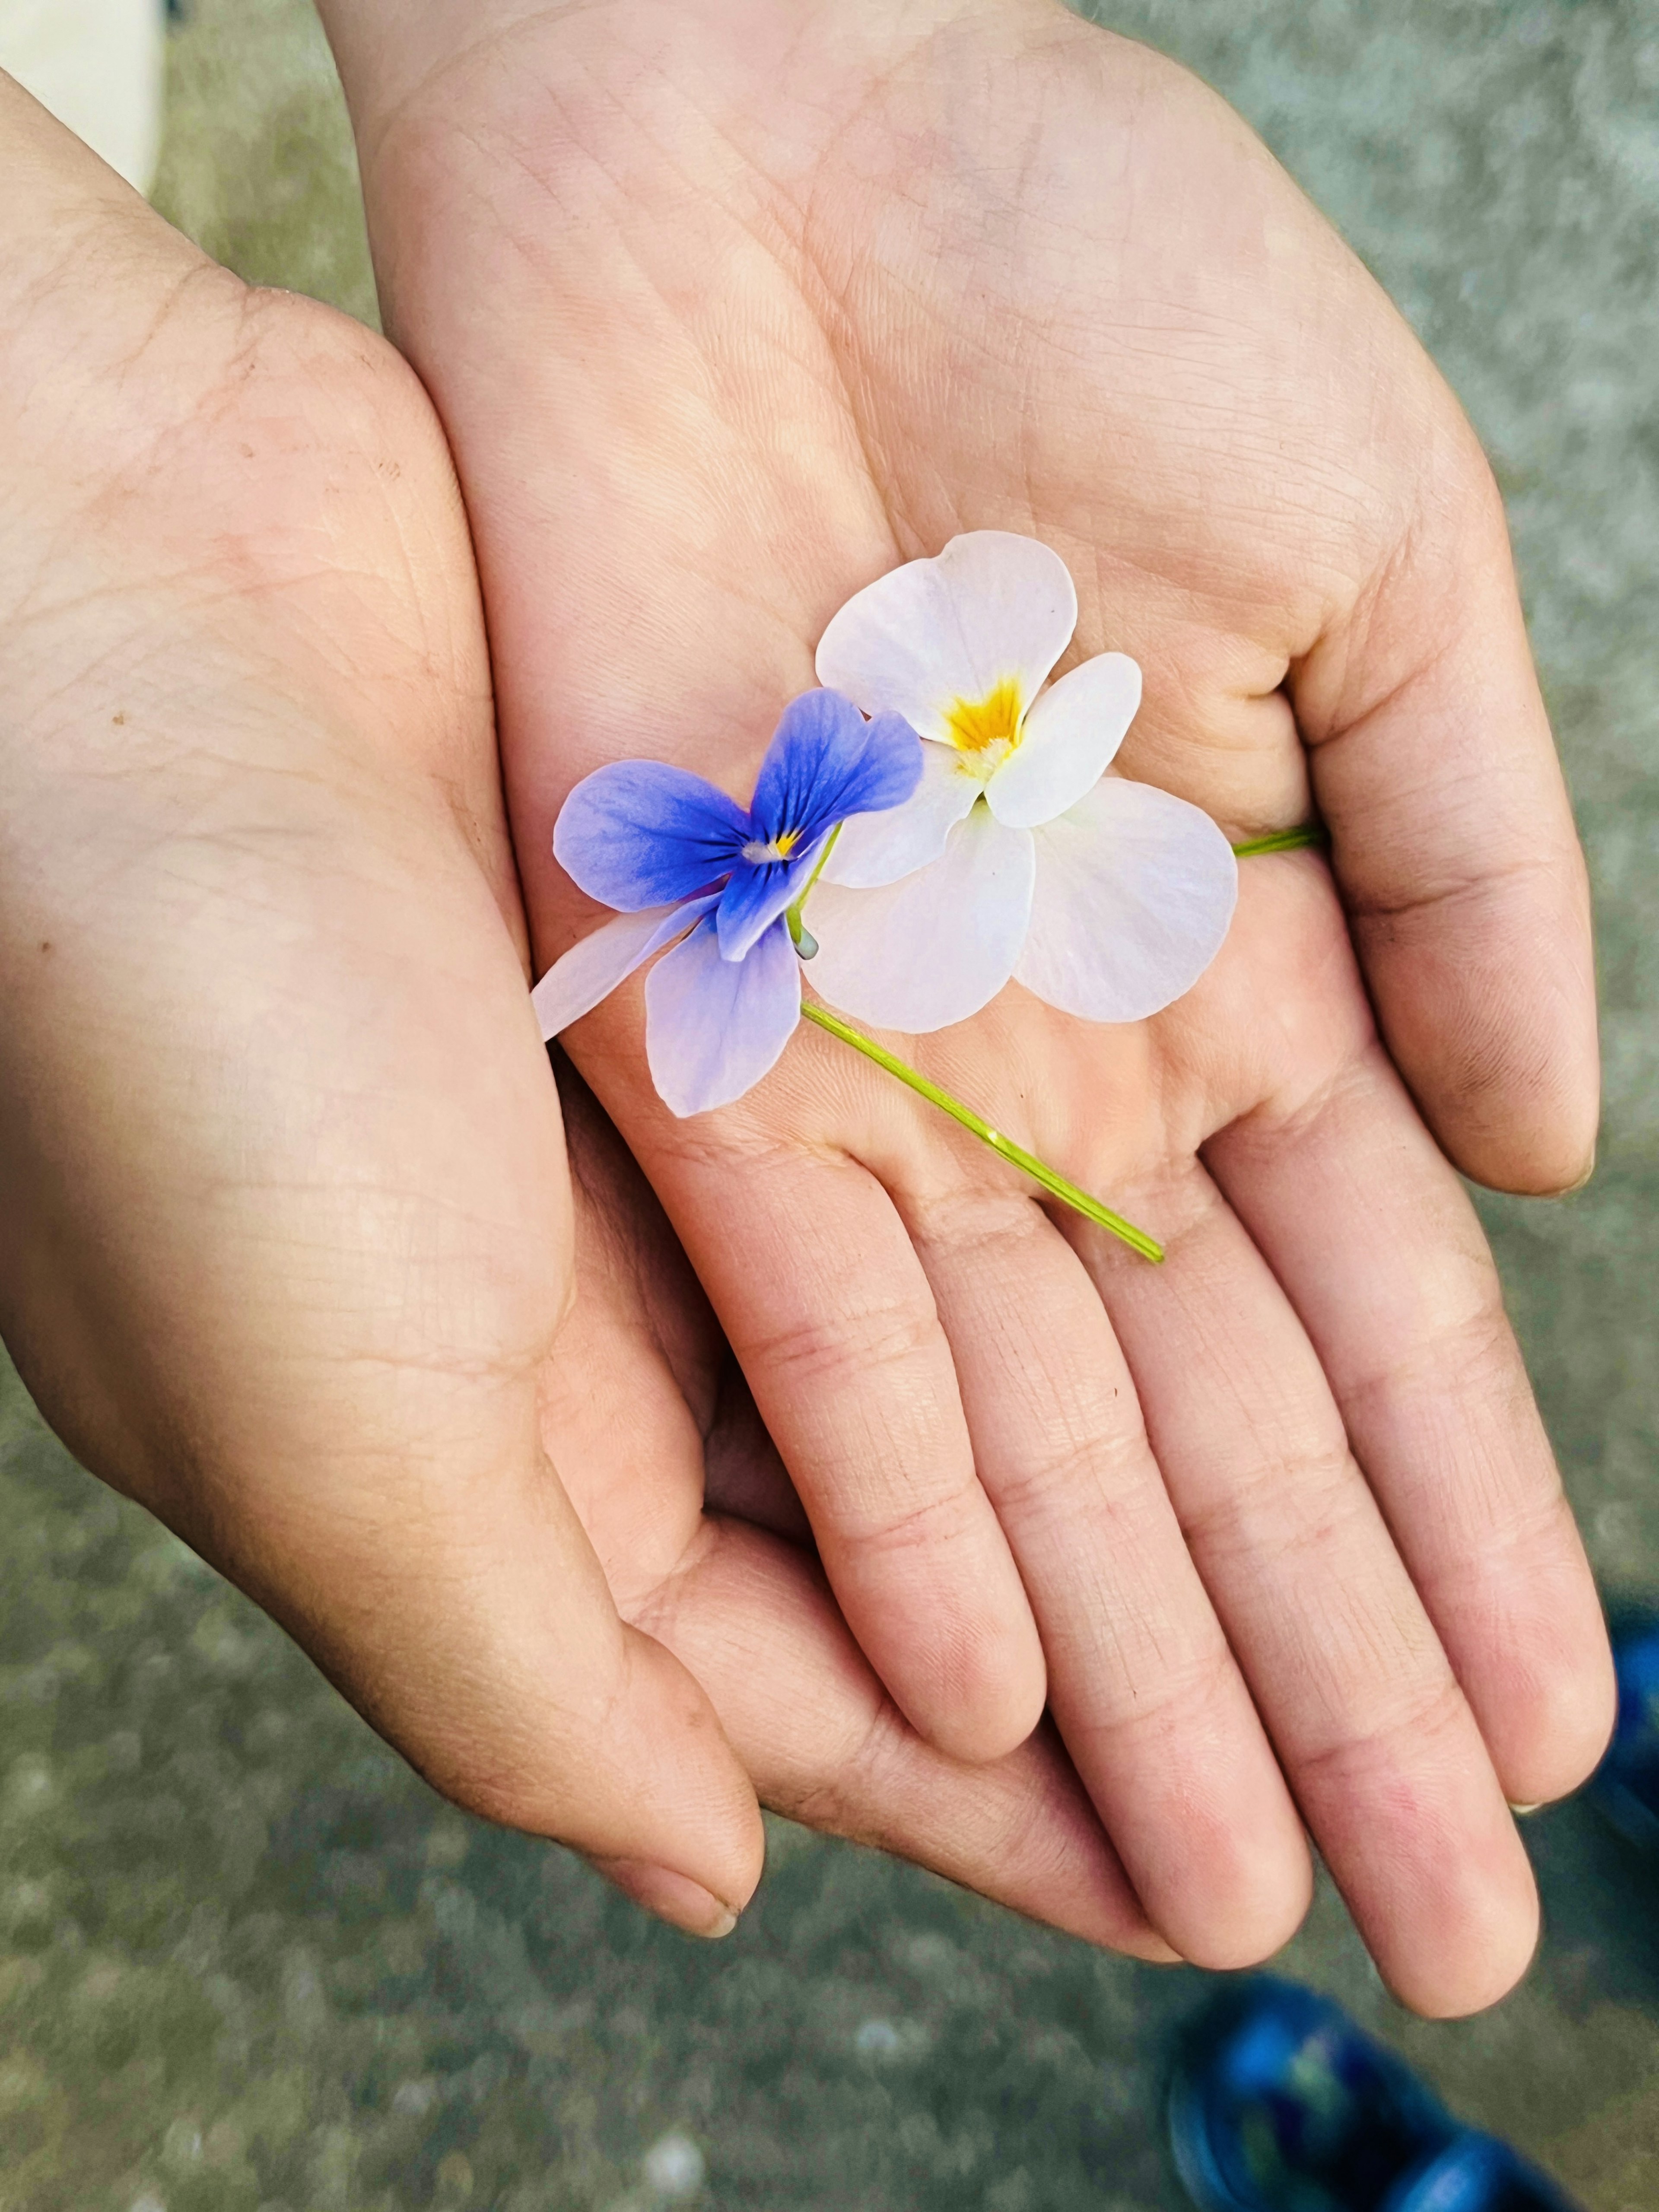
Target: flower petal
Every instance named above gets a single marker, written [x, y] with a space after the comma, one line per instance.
[936, 947]
[640, 833]
[756, 896]
[826, 762]
[713, 1027]
[1134, 891]
[1071, 733]
[591, 969]
[991, 607]
[880, 848]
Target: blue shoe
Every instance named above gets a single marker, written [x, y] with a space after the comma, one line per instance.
[1280, 2104]
[1626, 1786]
[1477, 2173]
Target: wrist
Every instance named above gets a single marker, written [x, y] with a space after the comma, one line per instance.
[394, 54]
[73, 236]
[90, 381]
[388, 50]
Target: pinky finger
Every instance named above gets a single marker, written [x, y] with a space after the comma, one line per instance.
[753, 1621]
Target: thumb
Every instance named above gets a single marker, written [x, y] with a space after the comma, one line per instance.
[1453, 840]
[461, 1610]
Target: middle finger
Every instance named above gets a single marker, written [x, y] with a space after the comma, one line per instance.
[1146, 1694]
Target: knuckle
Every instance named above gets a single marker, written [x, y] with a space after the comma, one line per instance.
[815, 1347]
[848, 1778]
[929, 1524]
[1406, 1732]
[1184, 1698]
[1107, 1470]
[1282, 1506]
[488, 1790]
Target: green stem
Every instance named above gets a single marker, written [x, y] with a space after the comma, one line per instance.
[817, 866]
[800, 936]
[1283, 840]
[1004, 1147]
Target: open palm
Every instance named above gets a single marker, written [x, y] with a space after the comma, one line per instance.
[728, 309]
[290, 1250]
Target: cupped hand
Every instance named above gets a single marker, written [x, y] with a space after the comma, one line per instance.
[727, 309]
[289, 1252]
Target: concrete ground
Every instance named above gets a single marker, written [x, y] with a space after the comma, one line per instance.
[247, 1964]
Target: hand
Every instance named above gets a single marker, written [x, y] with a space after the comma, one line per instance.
[705, 1547]
[727, 308]
[290, 1246]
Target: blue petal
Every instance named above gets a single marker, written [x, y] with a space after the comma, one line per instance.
[640, 833]
[596, 965]
[758, 895]
[713, 1027]
[826, 762]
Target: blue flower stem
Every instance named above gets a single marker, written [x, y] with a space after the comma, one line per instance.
[1004, 1147]
[1283, 840]
[799, 935]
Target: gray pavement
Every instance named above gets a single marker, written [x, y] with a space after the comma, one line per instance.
[248, 1964]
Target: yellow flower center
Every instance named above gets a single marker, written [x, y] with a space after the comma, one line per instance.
[986, 729]
[776, 848]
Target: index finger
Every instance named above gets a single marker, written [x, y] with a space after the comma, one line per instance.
[827, 1307]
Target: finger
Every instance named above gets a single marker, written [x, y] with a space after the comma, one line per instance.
[292, 1299]
[830, 1315]
[1147, 1697]
[636, 1294]
[1373, 1732]
[635, 1403]
[456, 1600]
[1453, 840]
[1378, 1248]
[754, 1621]
[745, 1476]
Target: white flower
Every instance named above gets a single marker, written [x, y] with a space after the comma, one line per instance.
[1019, 855]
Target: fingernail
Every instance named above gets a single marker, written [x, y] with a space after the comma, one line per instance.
[672, 1896]
[1521, 1811]
[1151, 1949]
[1571, 1189]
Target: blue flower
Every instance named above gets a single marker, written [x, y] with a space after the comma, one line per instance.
[681, 860]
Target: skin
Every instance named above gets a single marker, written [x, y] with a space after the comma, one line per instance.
[727, 306]
[293, 1254]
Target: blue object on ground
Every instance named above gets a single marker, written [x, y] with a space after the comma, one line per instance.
[1280, 2104]
[1626, 1786]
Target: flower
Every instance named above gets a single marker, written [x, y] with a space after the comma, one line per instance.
[680, 859]
[1019, 855]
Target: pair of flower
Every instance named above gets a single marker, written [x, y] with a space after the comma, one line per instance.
[966, 834]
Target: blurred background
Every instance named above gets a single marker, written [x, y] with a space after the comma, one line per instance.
[249, 1964]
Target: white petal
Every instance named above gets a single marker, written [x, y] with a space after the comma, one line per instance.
[880, 848]
[992, 607]
[1070, 736]
[591, 969]
[937, 947]
[1134, 891]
